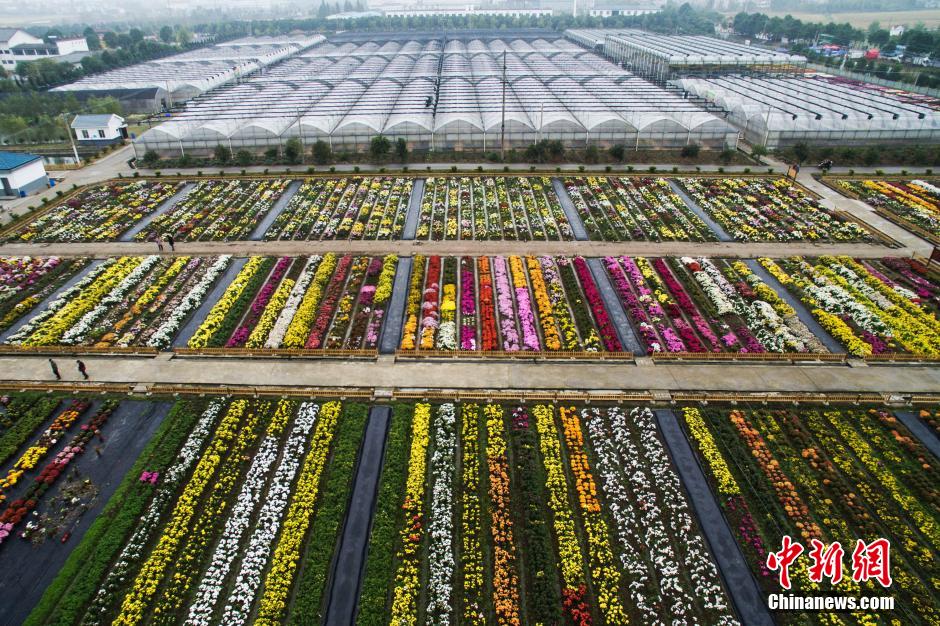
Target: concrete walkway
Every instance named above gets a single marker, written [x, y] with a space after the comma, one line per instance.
[921, 431]
[715, 227]
[395, 310]
[739, 581]
[628, 338]
[406, 373]
[801, 312]
[342, 603]
[414, 210]
[571, 212]
[163, 208]
[258, 233]
[462, 248]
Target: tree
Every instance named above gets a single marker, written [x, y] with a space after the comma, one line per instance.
[879, 37]
[103, 106]
[726, 155]
[759, 150]
[222, 154]
[110, 39]
[243, 158]
[293, 150]
[617, 151]
[150, 159]
[591, 154]
[183, 36]
[322, 152]
[379, 147]
[800, 151]
[136, 35]
[91, 38]
[166, 34]
[401, 149]
[690, 151]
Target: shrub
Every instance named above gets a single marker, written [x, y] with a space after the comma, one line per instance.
[322, 153]
[222, 154]
[690, 151]
[293, 150]
[243, 158]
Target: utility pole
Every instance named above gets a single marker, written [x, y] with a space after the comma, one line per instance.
[502, 126]
[68, 130]
[300, 129]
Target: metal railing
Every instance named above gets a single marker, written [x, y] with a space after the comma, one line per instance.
[320, 353]
[79, 350]
[770, 357]
[560, 355]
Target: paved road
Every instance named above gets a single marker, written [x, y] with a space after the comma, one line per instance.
[163, 208]
[414, 210]
[628, 338]
[342, 603]
[440, 374]
[577, 225]
[263, 226]
[395, 311]
[739, 581]
[715, 227]
[921, 431]
[25, 570]
[197, 317]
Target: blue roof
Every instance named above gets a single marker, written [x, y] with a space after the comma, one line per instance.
[13, 160]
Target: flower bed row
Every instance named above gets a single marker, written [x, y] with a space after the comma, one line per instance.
[507, 207]
[99, 213]
[703, 305]
[915, 202]
[345, 208]
[826, 475]
[577, 501]
[645, 209]
[302, 302]
[871, 307]
[128, 301]
[27, 281]
[216, 210]
[758, 209]
[222, 532]
[505, 303]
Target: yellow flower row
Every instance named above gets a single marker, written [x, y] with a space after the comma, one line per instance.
[543, 305]
[706, 445]
[505, 579]
[147, 582]
[270, 314]
[300, 325]
[278, 583]
[409, 334]
[404, 610]
[200, 338]
[471, 553]
[383, 289]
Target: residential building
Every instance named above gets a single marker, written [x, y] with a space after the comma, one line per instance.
[21, 174]
[99, 129]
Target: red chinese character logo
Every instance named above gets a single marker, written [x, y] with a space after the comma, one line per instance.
[872, 560]
[826, 562]
[782, 560]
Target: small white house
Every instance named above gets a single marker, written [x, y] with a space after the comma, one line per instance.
[21, 174]
[99, 129]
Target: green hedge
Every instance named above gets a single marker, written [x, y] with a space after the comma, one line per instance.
[245, 298]
[380, 560]
[73, 588]
[327, 524]
[28, 412]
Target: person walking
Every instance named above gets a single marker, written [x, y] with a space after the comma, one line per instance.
[81, 368]
[160, 245]
[55, 369]
[169, 241]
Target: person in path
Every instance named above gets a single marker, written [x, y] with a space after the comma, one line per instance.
[55, 369]
[81, 368]
[169, 241]
[160, 245]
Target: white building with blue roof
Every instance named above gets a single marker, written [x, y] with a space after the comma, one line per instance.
[21, 174]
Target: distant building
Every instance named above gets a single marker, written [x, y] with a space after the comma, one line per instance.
[612, 12]
[99, 129]
[21, 174]
[897, 31]
[468, 11]
[17, 45]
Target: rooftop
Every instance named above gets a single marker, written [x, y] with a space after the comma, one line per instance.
[94, 121]
[13, 160]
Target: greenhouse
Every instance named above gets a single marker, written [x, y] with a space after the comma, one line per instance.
[778, 112]
[441, 93]
[198, 71]
[664, 57]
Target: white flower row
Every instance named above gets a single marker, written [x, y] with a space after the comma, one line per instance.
[441, 523]
[693, 553]
[211, 585]
[77, 333]
[150, 520]
[64, 298]
[447, 336]
[164, 335]
[861, 286]
[296, 296]
[261, 542]
[923, 184]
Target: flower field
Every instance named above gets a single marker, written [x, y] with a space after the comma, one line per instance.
[327, 301]
[229, 516]
[645, 209]
[506, 207]
[704, 305]
[217, 210]
[344, 208]
[505, 304]
[915, 202]
[127, 301]
[871, 307]
[759, 209]
[27, 281]
[538, 515]
[826, 475]
[100, 213]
